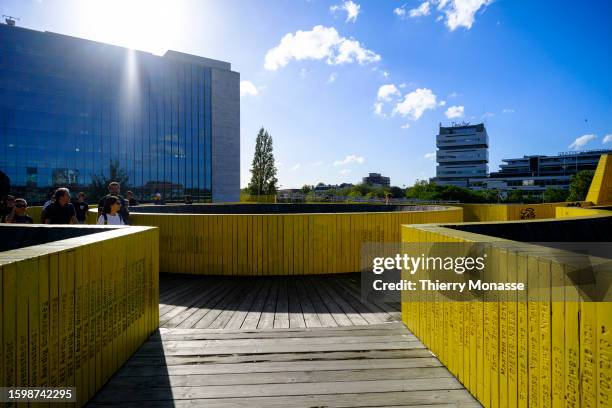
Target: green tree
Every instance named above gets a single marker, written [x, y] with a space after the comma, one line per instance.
[554, 195]
[263, 170]
[306, 189]
[579, 185]
[99, 182]
[396, 192]
[424, 190]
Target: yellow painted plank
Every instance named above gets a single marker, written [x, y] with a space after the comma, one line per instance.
[557, 334]
[588, 353]
[533, 316]
[545, 391]
[604, 354]
[9, 325]
[522, 335]
[512, 331]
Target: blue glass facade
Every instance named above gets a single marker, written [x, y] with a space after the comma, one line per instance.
[71, 107]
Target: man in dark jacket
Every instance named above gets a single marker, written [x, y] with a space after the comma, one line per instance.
[61, 211]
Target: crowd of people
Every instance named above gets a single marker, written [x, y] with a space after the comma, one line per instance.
[61, 208]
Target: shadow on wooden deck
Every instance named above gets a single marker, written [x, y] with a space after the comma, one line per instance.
[279, 342]
[268, 302]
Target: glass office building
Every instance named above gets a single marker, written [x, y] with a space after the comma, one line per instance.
[73, 111]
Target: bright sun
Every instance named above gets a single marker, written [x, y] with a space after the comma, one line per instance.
[147, 25]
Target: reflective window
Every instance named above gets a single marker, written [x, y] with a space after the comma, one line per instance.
[69, 108]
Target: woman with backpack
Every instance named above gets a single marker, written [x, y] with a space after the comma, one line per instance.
[110, 212]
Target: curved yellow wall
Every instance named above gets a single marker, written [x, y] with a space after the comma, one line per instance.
[514, 351]
[276, 244]
[512, 212]
[567, 212]
[73, 311]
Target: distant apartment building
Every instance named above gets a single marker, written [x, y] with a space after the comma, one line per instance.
[463, 153]
[377, 180]
[536, 173]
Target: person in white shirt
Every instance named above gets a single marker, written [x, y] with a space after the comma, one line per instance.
[110, 213]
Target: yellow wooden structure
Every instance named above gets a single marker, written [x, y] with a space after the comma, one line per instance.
[73, 311]
[600, 191]
[520, 349]
[248, 198]
[568, 212]
[277, 244]
[513, 212]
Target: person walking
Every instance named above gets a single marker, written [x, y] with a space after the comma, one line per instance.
[61, 211]
[81, 207]
[110, 212]
[132, 201]
[114, 188]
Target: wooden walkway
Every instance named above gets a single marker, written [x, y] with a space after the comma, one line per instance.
[261, 347]
[269, 302]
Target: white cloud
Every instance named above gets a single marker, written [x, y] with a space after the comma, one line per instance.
[349, 159]
[460, 13]
[399, 11]
[247, 88]
[317, 163]
[405, 126]
[430, 156]
[402, 85]
[453, 94]
[320, 43]
[295, 167]
[456, 13]
[351, 8]
[422, 10]
[378, 108]
[344, 172]
[487, 115]
[607, 138]
[385, 92]
[442, 103]
[332, 77]
[385, 74]
[507, 110]
[581, 141]
[456, 111]
[303, 73]
[416, 103]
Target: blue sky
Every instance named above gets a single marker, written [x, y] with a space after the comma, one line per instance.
[351, 87]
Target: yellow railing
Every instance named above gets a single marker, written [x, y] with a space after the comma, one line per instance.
[277, 244]
[566, 212]
[73, 311]
[518, 350]
[513, 212]
[249, 198]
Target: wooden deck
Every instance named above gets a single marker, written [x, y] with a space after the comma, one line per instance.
[279, 342]
[266, 303]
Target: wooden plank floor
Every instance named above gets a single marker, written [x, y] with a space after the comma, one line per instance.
[268, 342]
[268, 302]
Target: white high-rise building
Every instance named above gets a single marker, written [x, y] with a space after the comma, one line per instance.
[463, 153]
